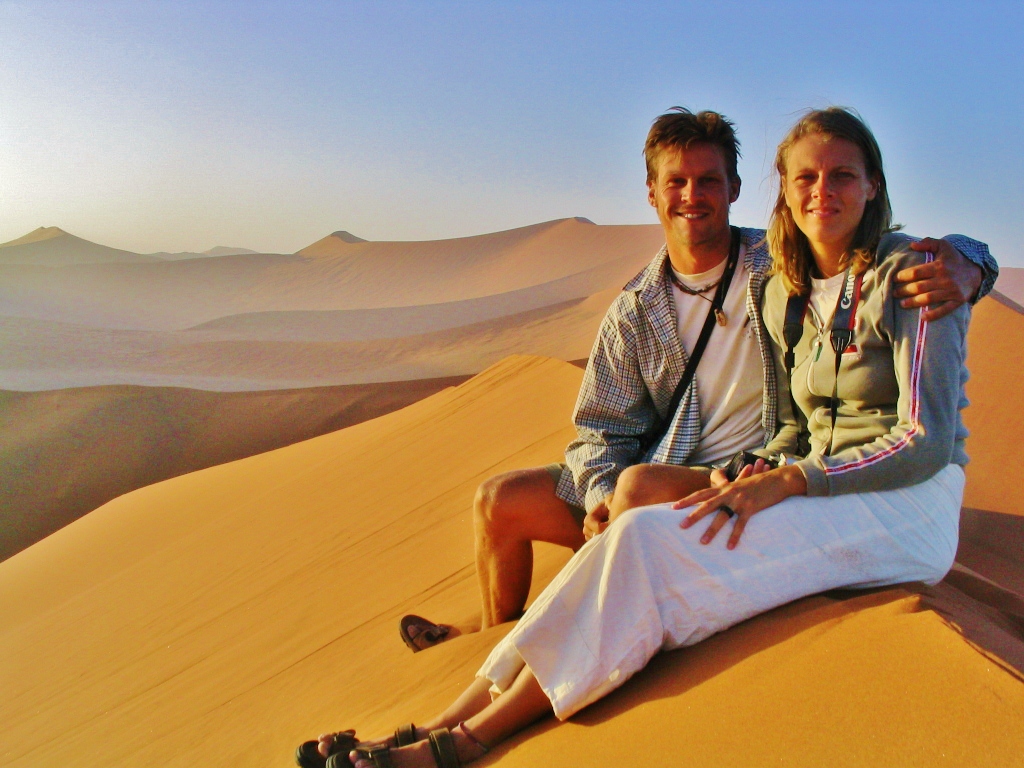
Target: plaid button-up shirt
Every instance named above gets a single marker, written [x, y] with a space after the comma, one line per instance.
[637, 361]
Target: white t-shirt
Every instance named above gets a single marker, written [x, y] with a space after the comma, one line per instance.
[730, 376]
[824, 295]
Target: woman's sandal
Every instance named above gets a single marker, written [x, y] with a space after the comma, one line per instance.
[442, 746]
[308, 756]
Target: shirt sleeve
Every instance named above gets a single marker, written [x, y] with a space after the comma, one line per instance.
[929, 363]
[613, 411]
[978, 254]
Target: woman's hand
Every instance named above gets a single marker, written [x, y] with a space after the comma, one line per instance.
[749, 494]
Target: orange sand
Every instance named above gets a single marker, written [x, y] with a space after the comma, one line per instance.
[221, 617]
[64, 453]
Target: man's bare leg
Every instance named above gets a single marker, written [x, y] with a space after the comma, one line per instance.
[510, 511]
[644, 484]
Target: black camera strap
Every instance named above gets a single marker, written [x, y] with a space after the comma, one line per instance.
[844, 321]
[656, 433]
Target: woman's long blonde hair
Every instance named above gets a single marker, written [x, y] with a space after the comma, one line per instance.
[791, 253]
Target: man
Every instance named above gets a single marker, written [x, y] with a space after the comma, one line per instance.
[638, 359]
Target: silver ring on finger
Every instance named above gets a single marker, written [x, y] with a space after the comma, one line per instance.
[728, 510]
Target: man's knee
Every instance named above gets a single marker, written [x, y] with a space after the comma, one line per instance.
[633, 487]
[644, 484]
[500, 500]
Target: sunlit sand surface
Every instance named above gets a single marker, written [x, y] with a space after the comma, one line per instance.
[221, 617]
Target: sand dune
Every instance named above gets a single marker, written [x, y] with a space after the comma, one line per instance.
[1011, 284]
[64, 453]
[218, 250]
[46, 355]
[52, 246]
[995, 338]
[173, 295]
[223, 616]
[343, 311]
[394, 322]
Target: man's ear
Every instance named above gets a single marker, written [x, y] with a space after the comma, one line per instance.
[651, 197]
[734, 189]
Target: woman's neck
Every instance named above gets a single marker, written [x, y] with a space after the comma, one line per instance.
[828, 261]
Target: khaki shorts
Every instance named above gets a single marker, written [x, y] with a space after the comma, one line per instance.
[555, 470]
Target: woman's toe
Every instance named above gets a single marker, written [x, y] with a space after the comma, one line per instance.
[324, 747]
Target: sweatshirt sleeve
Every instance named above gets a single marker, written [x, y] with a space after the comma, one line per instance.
[928, 359]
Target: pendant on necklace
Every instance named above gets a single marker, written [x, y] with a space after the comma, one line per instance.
[720, 317]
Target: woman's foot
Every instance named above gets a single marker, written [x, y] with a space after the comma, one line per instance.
[326, 740]
[421, 755]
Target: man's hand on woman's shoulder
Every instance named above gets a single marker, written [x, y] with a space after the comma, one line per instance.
[941, 285]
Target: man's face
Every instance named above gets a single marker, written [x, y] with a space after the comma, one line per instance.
[692, 194]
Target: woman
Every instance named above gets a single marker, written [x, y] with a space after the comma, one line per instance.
[887, 466]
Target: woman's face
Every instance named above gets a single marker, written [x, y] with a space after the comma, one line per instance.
[827, 187]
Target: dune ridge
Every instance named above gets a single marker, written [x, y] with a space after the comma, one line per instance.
[264, 596]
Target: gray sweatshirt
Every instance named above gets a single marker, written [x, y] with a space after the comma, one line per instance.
[901, 389]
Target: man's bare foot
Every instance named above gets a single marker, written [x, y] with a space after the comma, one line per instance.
[420, 754]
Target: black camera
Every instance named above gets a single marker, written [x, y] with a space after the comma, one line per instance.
[741, 459]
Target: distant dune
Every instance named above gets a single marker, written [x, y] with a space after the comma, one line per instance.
[219, 250]
[40, 355]
[1011, 285]
[996, 337]
[226, 615]
[332, 245]
[53, 247]
[174, 295]
[64, 453]
[345, 311]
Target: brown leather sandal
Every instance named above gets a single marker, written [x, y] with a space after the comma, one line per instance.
[419, 633]
[442, 746]
[308, 756]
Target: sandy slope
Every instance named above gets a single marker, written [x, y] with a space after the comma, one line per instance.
[995, 422]
[171, 295]
[64, 453]
[45, 355]
[1011, 284]
[221, 617]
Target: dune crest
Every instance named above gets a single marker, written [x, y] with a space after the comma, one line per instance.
[53, 247]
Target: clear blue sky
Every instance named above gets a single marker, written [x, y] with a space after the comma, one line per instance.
[180, 126]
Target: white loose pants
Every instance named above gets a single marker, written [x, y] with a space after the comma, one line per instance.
[647, 585]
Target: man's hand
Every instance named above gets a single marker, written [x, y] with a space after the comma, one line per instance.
[596, 520]
[942, 285]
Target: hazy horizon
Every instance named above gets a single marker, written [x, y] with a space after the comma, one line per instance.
[185, 126]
